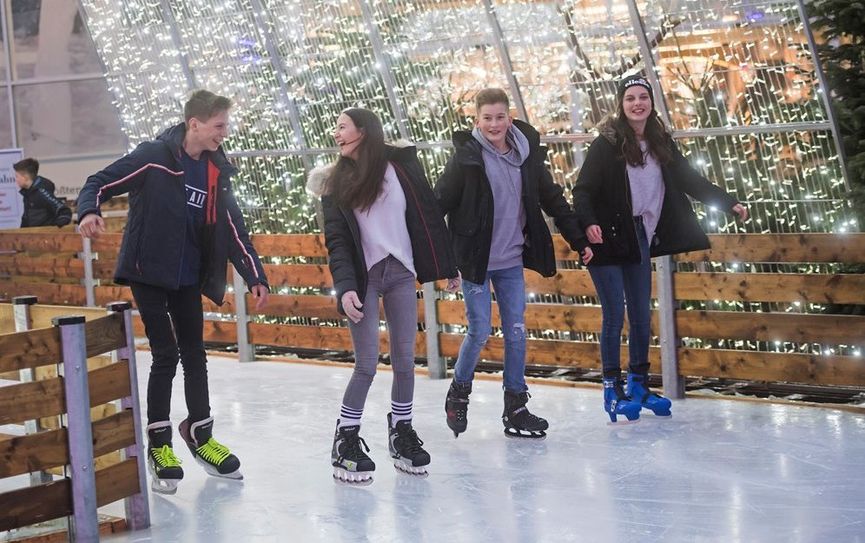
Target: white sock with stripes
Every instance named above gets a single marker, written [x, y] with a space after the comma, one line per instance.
[348, 416]
[399, 411]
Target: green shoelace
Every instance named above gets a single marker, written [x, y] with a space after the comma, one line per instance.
[213, 451]
[164, 456]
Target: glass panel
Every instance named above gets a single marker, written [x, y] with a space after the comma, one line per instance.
[5, 125]
[67, 118]
[51, 42]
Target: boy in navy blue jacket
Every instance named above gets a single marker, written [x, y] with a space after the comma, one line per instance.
[184, 225]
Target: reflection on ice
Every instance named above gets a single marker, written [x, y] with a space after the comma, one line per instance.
[719, 470]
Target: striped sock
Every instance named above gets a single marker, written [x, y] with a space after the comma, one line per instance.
[399, 411]
[349, 416]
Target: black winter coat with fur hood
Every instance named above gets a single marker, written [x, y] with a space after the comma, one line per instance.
[431, 251]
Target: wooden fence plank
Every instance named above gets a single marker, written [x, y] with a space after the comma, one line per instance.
[31, 400]
[29, 349]
[299, 275]
[817, 247]
[311, 306]
[318, 337]
[41, 314]
[794, 327]
[22, 264]
[544, 351]
[109, 383]
[42, 242]
[104, 334]
[49, 293]
[762, 366]
[108, 243]
[34, 504]
[116, 482]
[771, 287]
[537, 317]
[311, 245]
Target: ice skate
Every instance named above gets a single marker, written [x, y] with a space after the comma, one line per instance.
[351, 465]
[457, 407]
[518, 421]
[616, 403]
[163, 465]
[406, 448]
[638, 390]
[213, 456]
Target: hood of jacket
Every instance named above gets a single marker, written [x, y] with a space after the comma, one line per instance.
[316, 180]
[173, 137]
[469, 151]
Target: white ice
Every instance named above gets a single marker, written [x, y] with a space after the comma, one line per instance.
[719, 470]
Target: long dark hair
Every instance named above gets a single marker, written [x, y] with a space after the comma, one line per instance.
[655, 134]
[357, 183]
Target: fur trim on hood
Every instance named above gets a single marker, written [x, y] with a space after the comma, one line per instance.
[607, 130]
[316, 179]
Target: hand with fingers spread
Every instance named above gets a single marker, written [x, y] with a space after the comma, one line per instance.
[352, 306]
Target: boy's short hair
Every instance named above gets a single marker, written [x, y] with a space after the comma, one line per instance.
[203, 105]
[30, 166]
[491, 96]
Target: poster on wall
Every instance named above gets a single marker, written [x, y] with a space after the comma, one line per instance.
[11, 203]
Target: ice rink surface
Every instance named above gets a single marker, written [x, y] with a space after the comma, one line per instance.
[719, 470]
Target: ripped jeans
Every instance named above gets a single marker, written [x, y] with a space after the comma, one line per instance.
[510, 288]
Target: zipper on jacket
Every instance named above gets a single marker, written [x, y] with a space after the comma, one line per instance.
[422, 218]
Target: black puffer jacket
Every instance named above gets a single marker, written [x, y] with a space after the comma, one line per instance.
[465, 195]
[41, 207]
[431, 250]
[602, 193]
[155, 233]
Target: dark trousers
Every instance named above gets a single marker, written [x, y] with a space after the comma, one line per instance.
[174, 324]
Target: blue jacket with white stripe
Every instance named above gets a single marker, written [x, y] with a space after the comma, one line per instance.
[155, 234]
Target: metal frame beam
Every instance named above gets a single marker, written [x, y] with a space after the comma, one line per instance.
[178, 44]
[505, 58]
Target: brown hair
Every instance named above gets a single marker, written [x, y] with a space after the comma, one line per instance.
[356, 184]
[490, 96]
[656, 136]
[204, 104]
[30, 166]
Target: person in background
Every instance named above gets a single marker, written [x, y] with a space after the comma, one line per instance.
[41, 207]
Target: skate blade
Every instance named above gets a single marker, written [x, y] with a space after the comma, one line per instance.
[408, 469]
[624, 422]
[513, 433]
[234, 475]
[167, 487]
[352, 478]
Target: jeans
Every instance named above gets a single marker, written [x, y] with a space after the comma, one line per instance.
[618, 287]
[398, 289]
[174, 324]
[510, 288]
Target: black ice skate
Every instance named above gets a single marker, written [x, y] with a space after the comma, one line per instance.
[517, 419]
[351, 465]
[406, 448]
[457, 407]
[164, 467]
[215, 457]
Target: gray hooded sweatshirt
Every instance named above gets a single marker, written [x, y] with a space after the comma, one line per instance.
[506, 181]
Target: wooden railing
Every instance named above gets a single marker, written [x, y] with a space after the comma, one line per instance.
[72, 391]
[562, 315]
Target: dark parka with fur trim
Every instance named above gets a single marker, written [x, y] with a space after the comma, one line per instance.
[602, 196]
[155, 233]
[430, 245]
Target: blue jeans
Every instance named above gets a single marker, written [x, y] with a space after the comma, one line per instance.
[619, 286]
[510, 288]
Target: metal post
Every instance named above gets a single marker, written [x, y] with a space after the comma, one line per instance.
[137, 506]
[84, 522]
[383, 63]
[7, 52]
[435, 363]
[505, 58]
[674, 385]
[649, 61]
[824, 92]
[171, 22]
[89, 284]
[245, 350]
[23, 322]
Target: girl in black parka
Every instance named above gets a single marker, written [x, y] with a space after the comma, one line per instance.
[631, 196]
